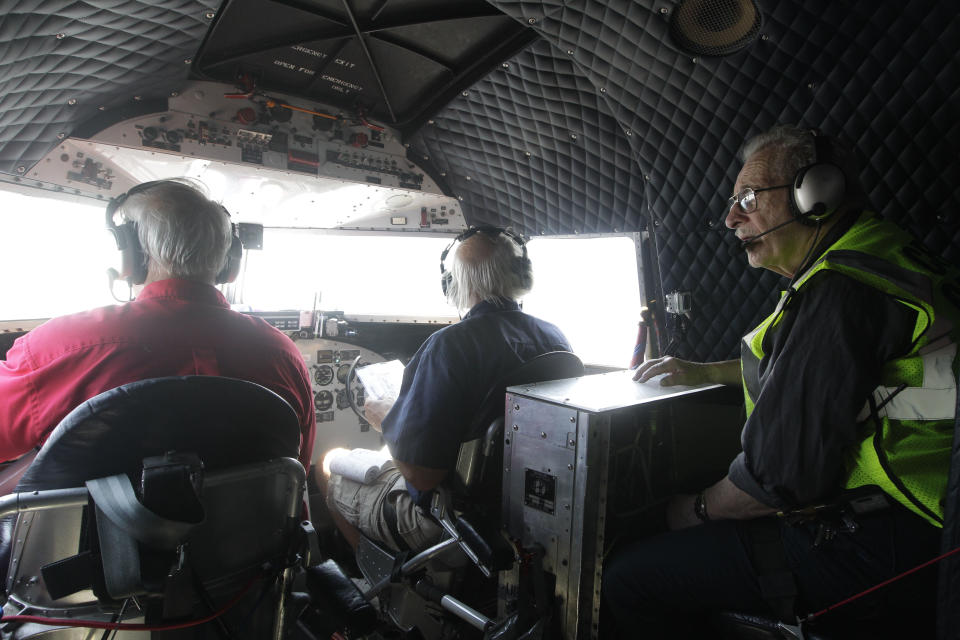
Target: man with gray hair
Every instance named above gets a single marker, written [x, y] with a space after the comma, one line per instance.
[177, 243]
[850, 390]
[444, 385]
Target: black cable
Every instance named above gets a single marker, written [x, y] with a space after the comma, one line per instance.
[885, 462]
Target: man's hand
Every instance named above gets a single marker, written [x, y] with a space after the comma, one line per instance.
[723, 501]
[689, 373]
[374, 411]
[678, 371]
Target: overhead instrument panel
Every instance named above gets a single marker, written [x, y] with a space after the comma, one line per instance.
[272, 160]
[328, 362]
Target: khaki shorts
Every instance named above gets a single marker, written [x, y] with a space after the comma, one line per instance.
[362, 505]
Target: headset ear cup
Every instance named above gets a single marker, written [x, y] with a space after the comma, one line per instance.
[445, 279]
[231, 269]
[133, 267]
[818, 190]
[524, 270]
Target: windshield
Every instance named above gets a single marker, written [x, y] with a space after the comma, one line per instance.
[57, 255]
[358, 274]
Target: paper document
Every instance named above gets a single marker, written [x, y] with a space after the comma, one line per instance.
[381, 380]
[361, 465]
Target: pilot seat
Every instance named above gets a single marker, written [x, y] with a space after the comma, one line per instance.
[165, 508]
[422, 589]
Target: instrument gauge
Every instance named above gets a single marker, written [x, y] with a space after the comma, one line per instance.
[323, 375]
[342, 372]
[323, 400]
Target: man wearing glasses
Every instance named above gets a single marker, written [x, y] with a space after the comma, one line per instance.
[850, 389]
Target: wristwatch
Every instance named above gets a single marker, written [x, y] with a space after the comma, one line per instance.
[700, 507]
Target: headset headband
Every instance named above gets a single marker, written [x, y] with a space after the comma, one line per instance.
[487, 229]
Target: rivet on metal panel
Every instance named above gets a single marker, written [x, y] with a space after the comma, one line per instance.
[628, 132]
[465, 94]
[603, 89]
[543, 434]
[531, 21]
[516, 407]
[61, 36]
[664, 10]
[174, 94]
[764, 37]
[570, 466]
[516, 428]
[569, 52]
[61, 135]
[21, 169]
[571, 442]
[209, 15]
[505, 65]
[72, 101]
[694, 60]
[573, 418]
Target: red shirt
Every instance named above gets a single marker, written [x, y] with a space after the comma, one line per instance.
[173, 328]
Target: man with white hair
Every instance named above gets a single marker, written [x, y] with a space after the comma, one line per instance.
[850, 390]
[176, 242]
[444, 384]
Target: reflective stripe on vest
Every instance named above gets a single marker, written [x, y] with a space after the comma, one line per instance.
[935, 400]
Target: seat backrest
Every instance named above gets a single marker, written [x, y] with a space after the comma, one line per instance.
[471, 462]
[948, 596]
[226, 422]
[247, 438]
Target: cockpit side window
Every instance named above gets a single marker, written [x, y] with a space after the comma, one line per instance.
[55, 255]
[589, 287]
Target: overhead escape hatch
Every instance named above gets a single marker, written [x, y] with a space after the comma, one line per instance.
[393, 61]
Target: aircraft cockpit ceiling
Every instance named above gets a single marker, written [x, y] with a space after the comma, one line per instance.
[557, 117]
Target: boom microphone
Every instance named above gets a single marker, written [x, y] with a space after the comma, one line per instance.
[746, 242]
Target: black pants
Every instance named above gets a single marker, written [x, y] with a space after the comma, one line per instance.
[661, 586]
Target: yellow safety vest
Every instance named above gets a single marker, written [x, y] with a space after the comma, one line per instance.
[906, 426]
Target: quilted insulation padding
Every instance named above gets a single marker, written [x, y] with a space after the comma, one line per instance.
[62, 62]
[531, 146]
[884, 76]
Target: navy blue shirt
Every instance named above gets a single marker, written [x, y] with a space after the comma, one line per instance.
[445, 382]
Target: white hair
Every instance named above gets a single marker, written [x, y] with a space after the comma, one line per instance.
[794, 148]
[488, 273]
[181, 229]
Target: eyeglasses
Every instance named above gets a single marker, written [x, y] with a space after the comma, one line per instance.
[747, 197]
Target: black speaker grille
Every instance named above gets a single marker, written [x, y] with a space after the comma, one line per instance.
[715, 27]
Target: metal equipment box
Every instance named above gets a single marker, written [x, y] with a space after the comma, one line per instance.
[589, 462]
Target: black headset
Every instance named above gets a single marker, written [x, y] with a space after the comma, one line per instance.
[133, 264]
[818, 189]
[520, 265]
